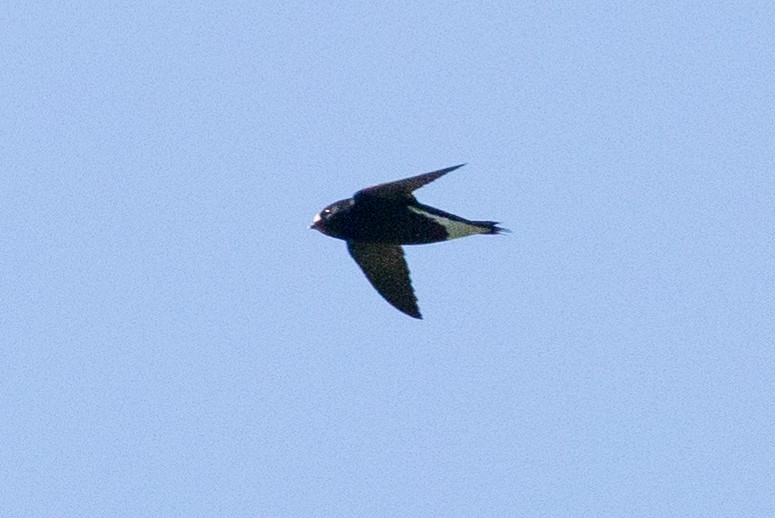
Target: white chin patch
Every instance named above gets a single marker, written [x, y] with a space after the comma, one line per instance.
[316, 218]
[454, 228]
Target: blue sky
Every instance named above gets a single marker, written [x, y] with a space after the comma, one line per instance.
[177, 342]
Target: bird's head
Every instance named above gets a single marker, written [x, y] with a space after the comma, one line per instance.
[331, 221]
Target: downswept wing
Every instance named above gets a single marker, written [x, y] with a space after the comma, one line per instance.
[386, 269]
[401, 189]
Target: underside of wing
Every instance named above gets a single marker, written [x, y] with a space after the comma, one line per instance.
[402, 189]
[386, 269]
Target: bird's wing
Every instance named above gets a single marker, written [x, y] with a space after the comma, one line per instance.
[401, 189]
[386, 269]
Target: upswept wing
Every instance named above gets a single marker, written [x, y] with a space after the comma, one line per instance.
[401, 189]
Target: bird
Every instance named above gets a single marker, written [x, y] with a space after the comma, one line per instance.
[378, 220]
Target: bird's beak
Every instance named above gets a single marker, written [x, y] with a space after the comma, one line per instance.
[315, 222]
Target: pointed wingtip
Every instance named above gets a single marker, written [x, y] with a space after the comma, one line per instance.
[450, 169]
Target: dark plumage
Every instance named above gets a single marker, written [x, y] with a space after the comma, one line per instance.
[377, 220]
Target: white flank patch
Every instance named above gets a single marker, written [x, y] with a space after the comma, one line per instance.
[454, 228]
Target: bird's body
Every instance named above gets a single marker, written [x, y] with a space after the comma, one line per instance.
[400, 223]
[377, 220]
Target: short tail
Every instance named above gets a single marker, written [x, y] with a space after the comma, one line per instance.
[492, 227]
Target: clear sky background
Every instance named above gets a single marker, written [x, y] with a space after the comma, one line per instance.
[176, 342]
